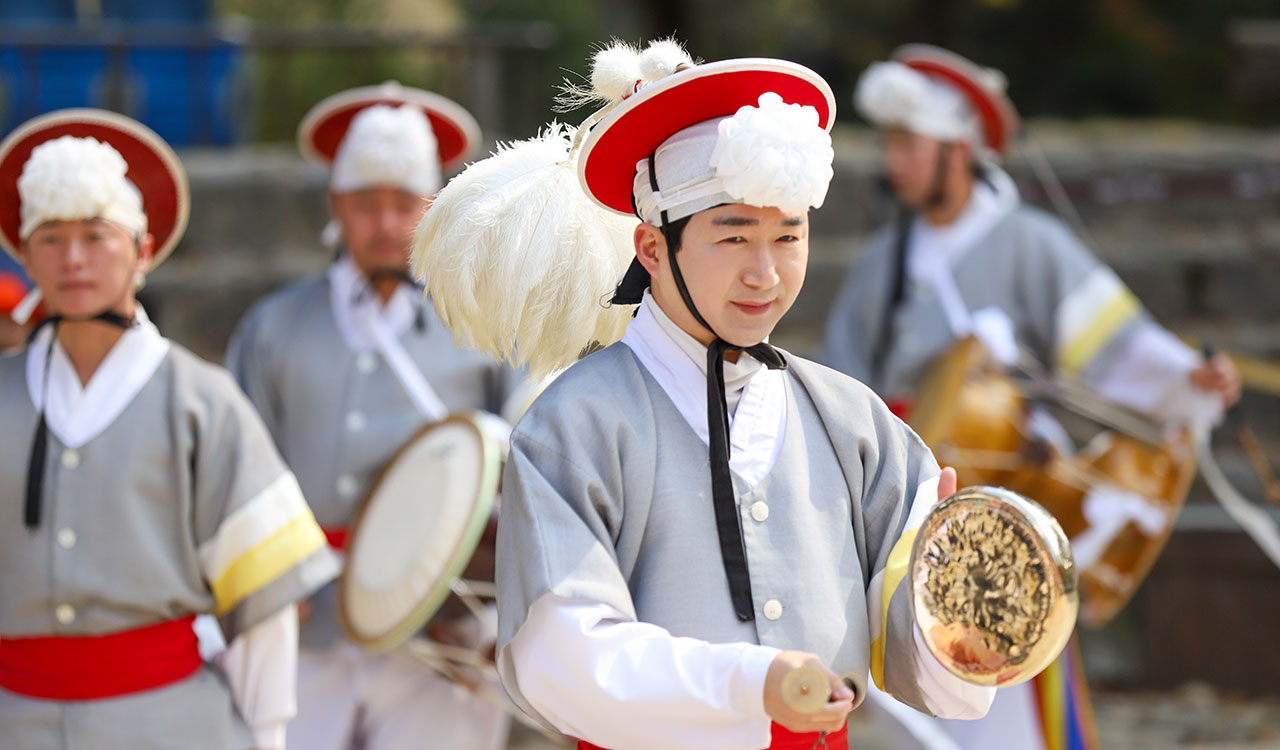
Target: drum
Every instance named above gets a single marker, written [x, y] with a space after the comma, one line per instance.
[413, 545]
[1116, 497]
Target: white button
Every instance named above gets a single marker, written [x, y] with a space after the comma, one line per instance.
[347, 485]
[66, 538]
[65, 613]
[773, 609]
[366, 363]
[760, 511]
[70, 459]
[356, 421]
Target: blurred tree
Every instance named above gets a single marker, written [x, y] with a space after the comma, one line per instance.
[1067, 58]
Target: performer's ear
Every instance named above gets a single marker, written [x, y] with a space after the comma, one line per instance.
[146, 252]
[651, 247]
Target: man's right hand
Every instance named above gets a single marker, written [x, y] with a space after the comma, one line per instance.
[829, 718]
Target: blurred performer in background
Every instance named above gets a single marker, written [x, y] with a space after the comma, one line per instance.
[345, 368]
[966, 258]
[645, 601]
[150, 492]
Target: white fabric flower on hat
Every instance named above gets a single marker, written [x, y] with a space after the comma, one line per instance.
[774, 155]
[71, 179]
[392, 146]
[893, 94]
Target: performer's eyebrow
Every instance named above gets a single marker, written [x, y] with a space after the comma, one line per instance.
[745, 221]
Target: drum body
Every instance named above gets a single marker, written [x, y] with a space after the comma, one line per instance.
[418, 530]
[975, 418]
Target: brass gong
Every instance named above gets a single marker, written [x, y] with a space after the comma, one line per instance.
[994, 588]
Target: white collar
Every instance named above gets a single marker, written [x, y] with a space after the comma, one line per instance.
[355, 306]
[937, 248]
[678, 363]
[77, 414]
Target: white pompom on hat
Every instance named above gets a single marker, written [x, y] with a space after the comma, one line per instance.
[324, 129]
[72, 179]
[771, 154]
[939, 94]
[388, 146]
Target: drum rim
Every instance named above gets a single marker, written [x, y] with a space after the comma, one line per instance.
[490, 472]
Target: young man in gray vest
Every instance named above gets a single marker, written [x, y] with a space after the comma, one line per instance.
[650, 597]
[967, 257]
[345, 368]
[139, 487]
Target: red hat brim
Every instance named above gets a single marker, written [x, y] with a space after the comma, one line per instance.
[607, 164]
[322, 129]
[999, 118]
[153, 168]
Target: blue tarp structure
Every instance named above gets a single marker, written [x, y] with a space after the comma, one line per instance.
[187, 94]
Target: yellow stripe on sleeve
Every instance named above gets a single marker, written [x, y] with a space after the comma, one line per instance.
[1085, 345]
[894, 571]
[264, 563]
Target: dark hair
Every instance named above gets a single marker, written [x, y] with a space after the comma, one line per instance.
[673, 232]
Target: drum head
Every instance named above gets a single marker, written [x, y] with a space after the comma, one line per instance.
[416, 531]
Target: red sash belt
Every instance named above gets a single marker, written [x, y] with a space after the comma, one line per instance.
[85, 667]
[336, 536]
[784, 740]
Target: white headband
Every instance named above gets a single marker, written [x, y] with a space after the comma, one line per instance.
[392, 146]
[770, 155]
[72, 179]
[893, 94]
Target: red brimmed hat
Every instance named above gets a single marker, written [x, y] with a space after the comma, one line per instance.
[154, 170]
[633, 131]
[322, 129]
[983, 87]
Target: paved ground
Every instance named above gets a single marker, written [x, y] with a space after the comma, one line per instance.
[1193, 717]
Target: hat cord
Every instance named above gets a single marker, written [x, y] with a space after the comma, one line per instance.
[724, 501]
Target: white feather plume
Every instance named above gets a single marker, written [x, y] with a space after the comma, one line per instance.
[518, 260]
[615, 69]
[661, 58]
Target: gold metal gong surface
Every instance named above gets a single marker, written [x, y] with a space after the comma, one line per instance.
[993, 586]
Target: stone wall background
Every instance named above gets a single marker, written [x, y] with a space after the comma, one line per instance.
[1186, 214]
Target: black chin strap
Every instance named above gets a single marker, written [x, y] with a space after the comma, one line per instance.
[401, 276]
[937, 191]
[724, 501]
[31, 506]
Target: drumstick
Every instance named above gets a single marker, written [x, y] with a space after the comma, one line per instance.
[1261, 466]
[806, 690]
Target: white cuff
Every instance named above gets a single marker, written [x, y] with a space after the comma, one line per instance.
[269, 737]
[946, 695]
